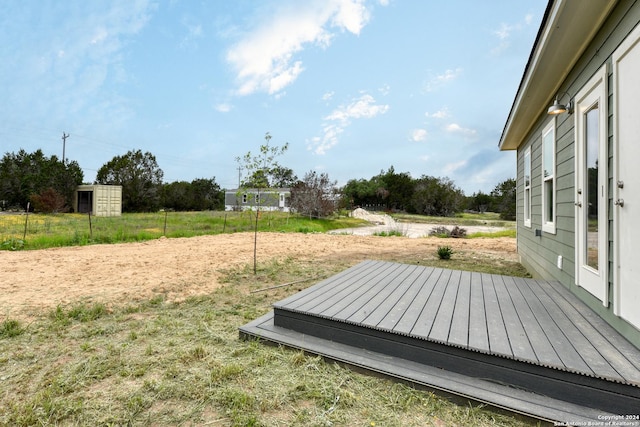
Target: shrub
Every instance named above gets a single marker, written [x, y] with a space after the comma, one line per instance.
[12, 244]
[48, 201]
[458, 232]
[444, 252]
[440, 231]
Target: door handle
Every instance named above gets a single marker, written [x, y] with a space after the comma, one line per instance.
[619, 202]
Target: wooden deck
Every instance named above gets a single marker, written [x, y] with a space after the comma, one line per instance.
[526, 345]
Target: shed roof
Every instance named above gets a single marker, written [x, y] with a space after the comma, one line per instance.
[567, 28]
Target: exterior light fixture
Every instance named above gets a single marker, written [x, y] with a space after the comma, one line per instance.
[558, 108]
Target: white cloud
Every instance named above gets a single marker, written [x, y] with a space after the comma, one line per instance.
[440, 114]
[528, 19]
[335, 123]
[68, 72]
[194, 32]
[384, 89]
[505, 33]
[222, 108]
[440, 80]
[327, 96]
[450, 168]
[455, 128]
[418, 135]
[363, 107]
[264, 58]
[424, 158]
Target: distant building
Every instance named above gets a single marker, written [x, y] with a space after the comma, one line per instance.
[100, 200]
[269, 199]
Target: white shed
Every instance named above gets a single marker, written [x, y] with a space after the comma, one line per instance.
[100, 200]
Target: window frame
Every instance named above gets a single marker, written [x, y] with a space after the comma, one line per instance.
[548, 224]
[526, 211]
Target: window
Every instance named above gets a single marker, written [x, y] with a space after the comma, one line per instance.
[527, 187]
[244, 198]
[257, 198]
[549, 177]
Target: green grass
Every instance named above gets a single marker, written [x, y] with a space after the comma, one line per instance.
[54, 230]
[389, 233]
[488, 218]
[510, 232]
[157, 363]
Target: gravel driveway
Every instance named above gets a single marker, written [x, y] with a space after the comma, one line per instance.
[384, 223]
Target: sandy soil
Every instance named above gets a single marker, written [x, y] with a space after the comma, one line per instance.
[35, 281]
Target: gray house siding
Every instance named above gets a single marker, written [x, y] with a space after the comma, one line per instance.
[540, 254]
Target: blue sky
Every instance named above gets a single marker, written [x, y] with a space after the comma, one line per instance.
[353, 86]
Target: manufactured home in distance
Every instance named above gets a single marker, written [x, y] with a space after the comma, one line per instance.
[575, 124]
[99, 200]
[269, 199]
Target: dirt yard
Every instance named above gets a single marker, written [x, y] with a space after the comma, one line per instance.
[33, 282]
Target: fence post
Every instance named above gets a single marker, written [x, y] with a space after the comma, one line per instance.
[166, 212]
[90, 226]
[26, 221]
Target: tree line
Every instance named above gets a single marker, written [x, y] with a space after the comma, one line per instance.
[426, 195]
[48, 185]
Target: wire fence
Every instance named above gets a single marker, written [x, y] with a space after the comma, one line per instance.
[33, 231]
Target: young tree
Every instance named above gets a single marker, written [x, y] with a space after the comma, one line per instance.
[257, 167]
[140, 177]
[315, 195]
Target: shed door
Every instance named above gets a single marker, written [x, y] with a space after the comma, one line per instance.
[626, 184]
[591, 187]
[85, 201]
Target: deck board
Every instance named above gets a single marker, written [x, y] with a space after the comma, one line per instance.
[516, 334]
[478, 334]
[424, 322]
[544, 351]
[496, 330]
[557, 328]
[387, 301]
[341, 297]
[459, 331]
[419, 286]
[590, 326]
[444, 315]
[380, 299]
[407, 322]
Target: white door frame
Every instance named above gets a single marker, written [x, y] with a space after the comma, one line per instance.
[594, 281]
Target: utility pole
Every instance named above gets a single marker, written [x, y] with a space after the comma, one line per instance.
[239, 175]
[64, 143]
